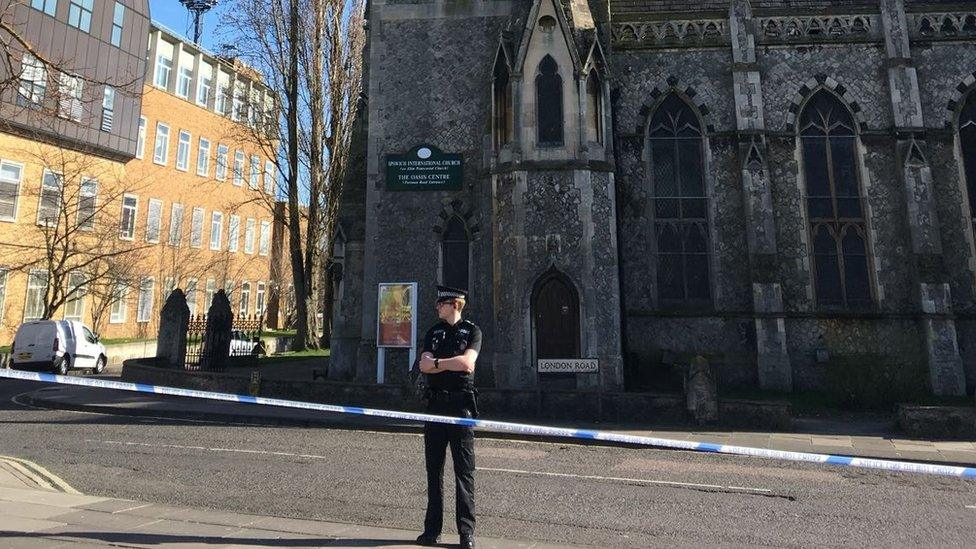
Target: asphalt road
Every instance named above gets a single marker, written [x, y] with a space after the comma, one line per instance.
[611, 497]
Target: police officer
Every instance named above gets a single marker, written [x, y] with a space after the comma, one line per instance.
[450, 350]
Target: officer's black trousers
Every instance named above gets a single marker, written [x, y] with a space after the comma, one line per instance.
[436, 438]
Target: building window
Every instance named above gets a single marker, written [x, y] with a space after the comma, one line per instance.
[255, 176]
[204, 83]
[233, 233]
[183, 151]
[49, 7]
[680, 205]
[191, 295]
[108, 109]
[36, 295]
[203, 157]
[594, 108]
[33, 82]
[161, 148]
[269, 179]
[3, 289]
[834, 206]
[455, 254]
[69, 97]
[141, 139]
[216, 230]
[221, 170]
[220, 102]
[503, 112]
[249, 237]
[80, 14]
[176, 225]
[259, 299]
[10, 176]
[164, 66]
[239, 168]
[127, 226]
[87, 202]
[74, 306]
[264, 242]
[211, 292]
[967, 140]
[154, 221]
[245, 302]
[117, 19]
[120, 299]
[196, 228]
[49, 205]
[239, 113]
[549, 103]
[183, 81]
[144, 308]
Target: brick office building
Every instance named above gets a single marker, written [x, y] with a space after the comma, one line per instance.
[141, 187]
[777, 185]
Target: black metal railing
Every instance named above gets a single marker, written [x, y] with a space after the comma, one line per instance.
[246, 345]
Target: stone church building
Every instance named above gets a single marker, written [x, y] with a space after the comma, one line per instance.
[772, 184]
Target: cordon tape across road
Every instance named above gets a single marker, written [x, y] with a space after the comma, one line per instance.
[521, 428]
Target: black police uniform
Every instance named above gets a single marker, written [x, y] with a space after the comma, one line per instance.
[450, 394]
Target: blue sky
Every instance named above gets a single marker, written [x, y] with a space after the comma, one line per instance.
[175, 17]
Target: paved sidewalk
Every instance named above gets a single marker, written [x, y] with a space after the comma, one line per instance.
[847, 436]
[35, 515]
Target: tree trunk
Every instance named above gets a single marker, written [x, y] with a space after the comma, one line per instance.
[294, 215]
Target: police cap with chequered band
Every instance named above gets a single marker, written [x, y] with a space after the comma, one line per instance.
[446, 293]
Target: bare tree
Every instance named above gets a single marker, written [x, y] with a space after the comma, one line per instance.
[314, 64]
[83, 227]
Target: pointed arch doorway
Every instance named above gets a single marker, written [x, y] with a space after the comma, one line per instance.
[556, 324]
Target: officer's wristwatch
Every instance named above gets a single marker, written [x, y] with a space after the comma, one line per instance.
[437, 363]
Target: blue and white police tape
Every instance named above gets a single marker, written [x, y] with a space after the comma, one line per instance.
[521, 428]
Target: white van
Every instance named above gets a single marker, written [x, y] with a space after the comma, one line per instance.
[57, 345]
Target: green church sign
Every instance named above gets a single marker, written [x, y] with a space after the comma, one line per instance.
[424, 168]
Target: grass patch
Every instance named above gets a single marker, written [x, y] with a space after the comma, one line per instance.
[290, 356]
[279, 333]
[124, 340]
[5, 349]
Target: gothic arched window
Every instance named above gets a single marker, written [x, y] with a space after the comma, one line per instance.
[549, 102]
[455, 254]
[594, 108]
[967, 140]
[502, 100]
[834, 205]
[680, 205]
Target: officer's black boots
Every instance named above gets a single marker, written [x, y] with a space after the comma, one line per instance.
[467, 542]
[428, 539]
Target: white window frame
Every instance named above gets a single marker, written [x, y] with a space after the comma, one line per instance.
[238, 170]
[108, 108]
[244, 302]
[203, 157]
[249, 236]
[183, 151]
[70, 90]
[196, 228]
[80, 14]
[192, 290]
[220, 170]
[33, 81]
[3, 289]
[216, 229]
[161, 146]
[184, 77]
[154, 229]
[264, 240]
[164, 70]
[91, 192]
[254, 178]
[234, 233]
[211, 291]
[49, 7]
[118, 22]
[43, 280]
[129, 233]
[176, 223]
[144, 302]
[60, 191]
[16, 184]
[260, 299]
[120, 306]
[141, 138]
[269, 180]
[74, 308]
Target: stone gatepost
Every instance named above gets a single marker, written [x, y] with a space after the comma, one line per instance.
[174, 320]
[701, 391]
[216, 342]
[772, 360]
